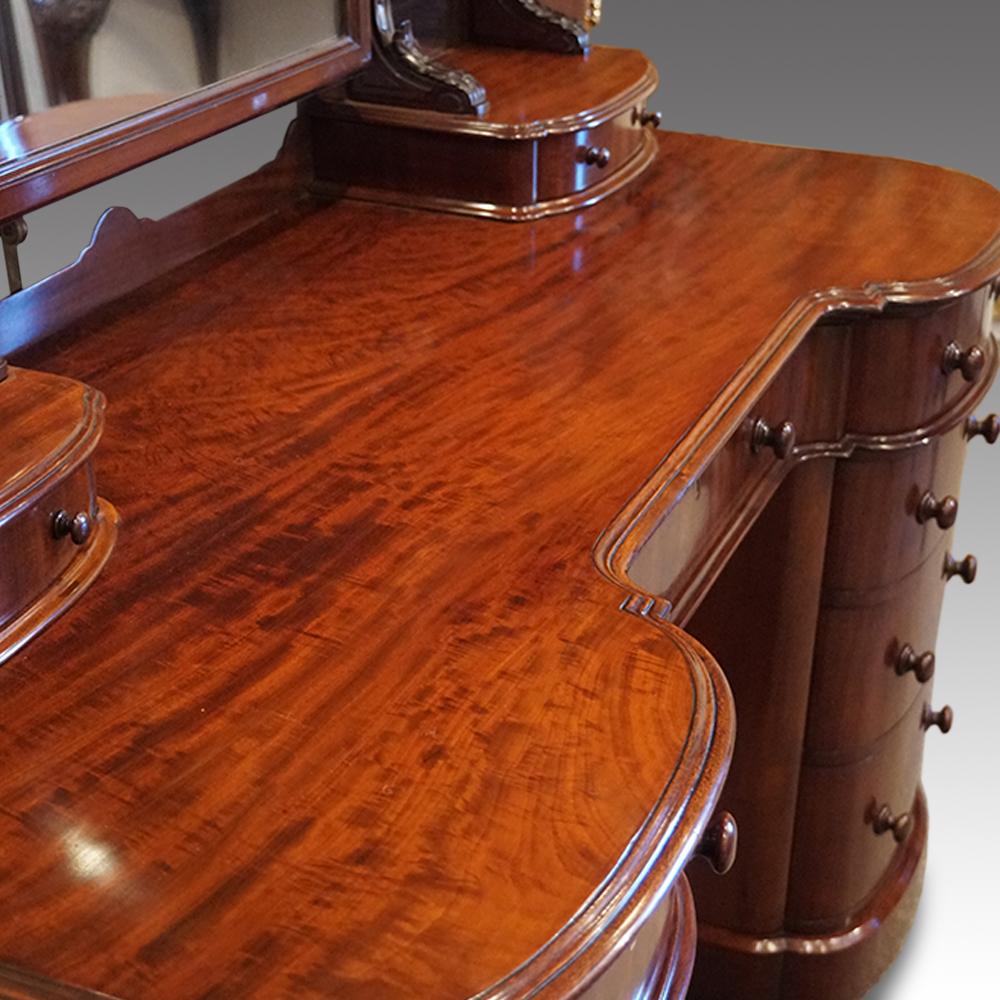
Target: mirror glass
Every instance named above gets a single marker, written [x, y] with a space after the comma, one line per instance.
[72, 66]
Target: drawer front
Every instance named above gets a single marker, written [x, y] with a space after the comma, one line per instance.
[878, 533]
[851, 820]
[874, 651]
[574, 162]
[689, 546]
[32, 556]
[901, 376]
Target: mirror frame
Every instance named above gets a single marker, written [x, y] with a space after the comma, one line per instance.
[50, 173]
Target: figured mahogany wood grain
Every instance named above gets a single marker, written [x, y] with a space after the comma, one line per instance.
[355, 713]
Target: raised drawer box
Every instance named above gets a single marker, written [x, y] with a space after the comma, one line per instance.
[55, 533]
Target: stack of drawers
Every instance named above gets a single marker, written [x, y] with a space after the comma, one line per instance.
[888, 558]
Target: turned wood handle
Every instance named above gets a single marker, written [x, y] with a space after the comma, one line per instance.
[76, 526]
[970, 363]
[780, 439]
[922, 664]
[943, 511]
[988, 428]
[965, 568]
[943, 719]
[719, 842]
[597, 156]
[884, 821]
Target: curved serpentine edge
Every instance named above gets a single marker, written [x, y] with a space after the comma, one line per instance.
[651, 864]
[619, 543]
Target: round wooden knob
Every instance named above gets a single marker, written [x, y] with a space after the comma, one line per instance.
[780, 439]
[965, 568]
[970, 363]
[719, 842]
[884, 822]
[988, 428]
[943, 719]
[943, 511]
[598, 156]
[922, 664]
[76, 526]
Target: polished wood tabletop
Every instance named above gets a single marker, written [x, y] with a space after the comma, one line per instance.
[352, 711]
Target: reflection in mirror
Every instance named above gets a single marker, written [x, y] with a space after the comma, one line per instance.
[71, 66]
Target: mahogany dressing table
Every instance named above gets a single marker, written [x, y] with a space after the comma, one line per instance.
[420, 552]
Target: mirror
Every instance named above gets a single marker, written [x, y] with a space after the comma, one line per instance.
[71, 66]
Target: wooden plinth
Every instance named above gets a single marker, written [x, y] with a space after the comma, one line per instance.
[843, 965]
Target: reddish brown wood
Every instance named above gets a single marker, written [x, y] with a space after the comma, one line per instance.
[900, 380]
[839, 965]
[875, 509]
[51, 428]
[45, 175]
[689, 547]
[989, 428]
[966, 568]
[559, 134]
[354, 714]
[768, 669]
[850, 820]
[126, 253]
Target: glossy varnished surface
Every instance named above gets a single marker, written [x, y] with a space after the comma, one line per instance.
[352, 711]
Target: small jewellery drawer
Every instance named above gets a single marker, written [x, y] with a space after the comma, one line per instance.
[874, 654]
[852, 818]
[36, 549]
[55, 533]
[717, 503]
[576, 161]
[906, 370]
[890, 510]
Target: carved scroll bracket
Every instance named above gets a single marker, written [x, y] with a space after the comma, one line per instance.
[528, 24]
[401, 73]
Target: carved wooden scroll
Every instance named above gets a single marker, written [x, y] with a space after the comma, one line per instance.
[402, 73]
[527, 24]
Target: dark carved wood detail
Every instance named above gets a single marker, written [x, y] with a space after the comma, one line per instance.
[527, 24]
[64, 29]
[402, 73]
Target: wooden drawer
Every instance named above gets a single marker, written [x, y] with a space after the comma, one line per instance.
[564, 167]
[32, 555]
[55, 534]
[899, 377]
[876, 534]
[838, 858]
[689, 546]
[857, 693]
